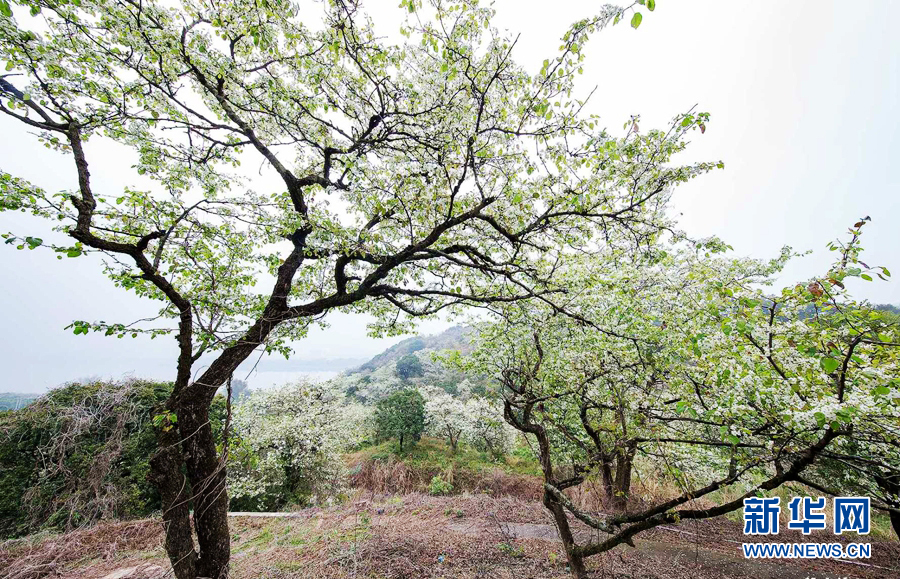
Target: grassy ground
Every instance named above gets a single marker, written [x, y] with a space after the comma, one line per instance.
[383, 468]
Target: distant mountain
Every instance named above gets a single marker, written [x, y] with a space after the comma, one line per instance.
[15, 400]
[455, 338]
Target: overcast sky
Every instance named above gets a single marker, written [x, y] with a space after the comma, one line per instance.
[805, 105]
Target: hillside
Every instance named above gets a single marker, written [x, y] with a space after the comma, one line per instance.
[455, 338]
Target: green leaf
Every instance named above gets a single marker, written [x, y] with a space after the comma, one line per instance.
[636, 20]
[820, 418]
[829, 364]
[866, 277]
[5, 9]
[651, 5]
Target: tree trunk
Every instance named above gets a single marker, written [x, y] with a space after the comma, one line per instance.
[609, 491]
[622, 483]
[174, 492]
[890, 484]
[454, 442]
[191, 447]
[206, 472]
[576, 561]
[401, 443]
[895, 523]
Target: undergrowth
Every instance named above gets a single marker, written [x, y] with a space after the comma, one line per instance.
[384, 469]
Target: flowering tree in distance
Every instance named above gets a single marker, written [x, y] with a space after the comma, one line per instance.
[446, 417]
[411, 178]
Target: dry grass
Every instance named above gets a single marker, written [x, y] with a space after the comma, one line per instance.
[396, 476]
[392, 538]
[45, 555]
[412, 536]
[384, 476]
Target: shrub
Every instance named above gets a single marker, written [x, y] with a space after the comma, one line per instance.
[77, 455]
[446, 417]
[439, 486]
[488, 431]
[286, 444]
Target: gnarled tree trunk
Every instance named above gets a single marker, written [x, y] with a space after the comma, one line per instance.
[206, 472]
[190, 449]
[166, 474]
[617, 482]
[622, 483]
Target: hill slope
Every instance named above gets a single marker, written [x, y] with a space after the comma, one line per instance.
[455, 338]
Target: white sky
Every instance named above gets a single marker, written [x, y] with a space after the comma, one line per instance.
[805, 104]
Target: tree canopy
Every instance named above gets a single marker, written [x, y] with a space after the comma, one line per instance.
[409, 367]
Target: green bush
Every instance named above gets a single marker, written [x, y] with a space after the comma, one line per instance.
[439, 486]
[78, 454]
[401, 415]
[285, 446]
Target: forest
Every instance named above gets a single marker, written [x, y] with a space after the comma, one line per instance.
[618, 396]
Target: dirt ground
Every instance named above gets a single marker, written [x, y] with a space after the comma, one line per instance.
[417, 536]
